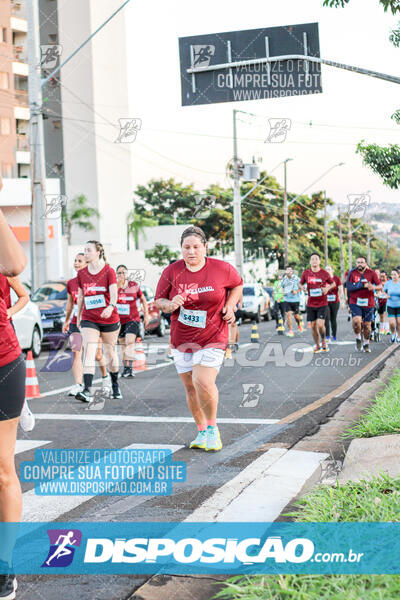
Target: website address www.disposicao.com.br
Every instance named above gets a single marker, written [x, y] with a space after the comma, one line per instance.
[211, 551]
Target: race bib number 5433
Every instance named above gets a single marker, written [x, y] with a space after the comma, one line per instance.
[193, 318]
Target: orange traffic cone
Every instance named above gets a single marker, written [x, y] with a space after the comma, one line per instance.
[309, 324]
[31, 382]
[140, 357]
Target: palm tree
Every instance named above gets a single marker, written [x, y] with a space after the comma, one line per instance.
[137, 223]
[78, 214]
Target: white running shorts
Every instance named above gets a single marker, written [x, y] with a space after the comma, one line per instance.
[206, 357]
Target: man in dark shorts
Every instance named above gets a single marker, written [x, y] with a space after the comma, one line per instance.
[318, 282]
[361, 284]
[291, 288]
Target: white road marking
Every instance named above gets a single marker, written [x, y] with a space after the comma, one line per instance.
[330, 345]
[88, 416]
[35, 507]
[25, 445]
[262, 490]
[68, 387]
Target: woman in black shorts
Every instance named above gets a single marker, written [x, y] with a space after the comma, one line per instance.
[97, 316]
[12, 396]
[129, 293]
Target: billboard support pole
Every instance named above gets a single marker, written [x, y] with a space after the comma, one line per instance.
[237, 209]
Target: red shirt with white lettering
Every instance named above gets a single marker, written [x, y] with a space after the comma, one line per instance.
[316, 280]
[368, 276]
[334, 291]
[9, 345]
[127, 302]
[96, 294]
[73, 289]
[199, 323]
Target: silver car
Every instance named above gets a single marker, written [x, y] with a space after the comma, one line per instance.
[28, 326]
[256, 302]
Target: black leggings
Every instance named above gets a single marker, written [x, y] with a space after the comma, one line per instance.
[331, 317]
[12, 388]
[279, 307]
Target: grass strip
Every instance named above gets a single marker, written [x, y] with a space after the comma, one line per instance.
[383, 416]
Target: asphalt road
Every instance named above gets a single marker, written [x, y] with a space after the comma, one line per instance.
[265, 382]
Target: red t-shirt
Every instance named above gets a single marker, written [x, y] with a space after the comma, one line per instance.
[316, 280]
[96, 294]
[73, 289]
[5, 290]
[127, 302]
[9, 345]
[358, 296]
[200, 323]
[333, 294]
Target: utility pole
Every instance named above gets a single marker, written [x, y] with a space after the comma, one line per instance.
[387, 252]
[369, 246]
[341, 245]
[285, 216]
[38, 174]
[237, 209]
[325, 233]
[350, 237]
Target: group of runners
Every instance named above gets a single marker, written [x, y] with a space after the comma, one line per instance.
[371, 298]
[201, 294]
[101, 309]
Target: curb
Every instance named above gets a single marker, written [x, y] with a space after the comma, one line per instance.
[345, 415]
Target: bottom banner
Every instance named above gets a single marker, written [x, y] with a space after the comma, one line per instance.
[194, 548]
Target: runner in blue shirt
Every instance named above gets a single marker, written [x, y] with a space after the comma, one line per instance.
[392, 291]
[291, 288]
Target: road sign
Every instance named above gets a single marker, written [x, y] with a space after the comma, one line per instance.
[250, 80]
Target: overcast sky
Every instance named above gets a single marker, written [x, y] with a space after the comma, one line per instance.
[193, 144]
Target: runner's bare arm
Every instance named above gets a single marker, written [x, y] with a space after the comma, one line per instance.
[234, 296]
[68, 311]
[107, 312]
[12, 256]
[22, 293]
[79, 304]
[168, 306]
[145, 310]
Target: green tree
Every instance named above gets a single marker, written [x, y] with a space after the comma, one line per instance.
[166, 201]
[392, 4]
[79, 214]
[137, 223]
[384, 161]
[160, 255]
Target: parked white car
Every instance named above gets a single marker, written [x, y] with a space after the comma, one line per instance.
[28, 326]
[256, 302]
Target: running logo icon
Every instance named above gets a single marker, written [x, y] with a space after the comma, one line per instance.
[63, 543]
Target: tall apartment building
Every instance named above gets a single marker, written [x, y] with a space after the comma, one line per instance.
[82, 106]
[14, 110]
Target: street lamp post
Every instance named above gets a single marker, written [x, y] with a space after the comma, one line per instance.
[285, 216]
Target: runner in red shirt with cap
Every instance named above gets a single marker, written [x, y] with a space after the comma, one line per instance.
[97, 316]
[318, 283]
[75, 338]
[361, 284]
[201, 293]
[129, 293]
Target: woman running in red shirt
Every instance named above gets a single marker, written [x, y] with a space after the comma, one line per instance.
[128, 294]
[12, 396]
[201, 293]
[97, 316]
[27, 418]
[71, 327]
